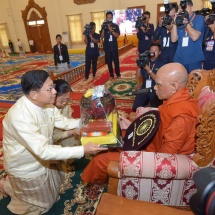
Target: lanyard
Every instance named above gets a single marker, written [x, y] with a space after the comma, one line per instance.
[167, 38]
[59, 50]
[151, 68]
[190, 23]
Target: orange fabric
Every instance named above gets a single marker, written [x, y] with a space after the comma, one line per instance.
[177, 130]
[96, 170]
[176, 135]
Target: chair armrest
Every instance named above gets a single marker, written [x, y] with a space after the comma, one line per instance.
[113, 172]
[139, 164]
[113, 169]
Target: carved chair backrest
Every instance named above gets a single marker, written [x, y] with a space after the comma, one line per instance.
[205, 144]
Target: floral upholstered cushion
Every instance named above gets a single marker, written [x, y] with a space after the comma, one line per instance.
[205, 97]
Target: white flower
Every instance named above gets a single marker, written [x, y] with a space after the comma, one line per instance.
[130, 192]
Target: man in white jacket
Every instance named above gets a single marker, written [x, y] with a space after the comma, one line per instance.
[33, 183]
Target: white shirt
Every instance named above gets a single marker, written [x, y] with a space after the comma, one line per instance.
[27, 138]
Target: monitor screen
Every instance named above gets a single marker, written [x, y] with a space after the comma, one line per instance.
[126, 19]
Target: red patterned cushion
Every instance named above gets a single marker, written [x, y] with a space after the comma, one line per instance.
[156, 165]
[205, 97]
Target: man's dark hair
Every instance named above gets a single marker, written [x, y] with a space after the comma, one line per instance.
[156, 44]
[172, 5]
[147, 13]
[33, 80]
[190, 2]
[58, 35]
[109, 12]
[93, 24]
[62, 87]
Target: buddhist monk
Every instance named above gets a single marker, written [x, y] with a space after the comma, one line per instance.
[177, 130]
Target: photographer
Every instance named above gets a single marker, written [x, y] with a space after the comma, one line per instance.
[110, 32]
[189, 35]
[148, 74]
[209, 50]
[144, 33]
[92, 51]
[163, 33]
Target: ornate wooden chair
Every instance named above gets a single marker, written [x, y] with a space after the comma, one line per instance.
[167, 178]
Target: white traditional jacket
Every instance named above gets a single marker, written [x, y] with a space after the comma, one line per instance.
[27, 138]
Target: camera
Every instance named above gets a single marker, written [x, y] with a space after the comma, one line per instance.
[105, 24]
[183, 14]
[139, 22]
[167, 19]
[87, 30]
[203, 201]
[210, 20]
[144, 58]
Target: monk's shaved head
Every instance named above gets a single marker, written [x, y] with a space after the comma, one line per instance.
[169, 79]
[174, 72]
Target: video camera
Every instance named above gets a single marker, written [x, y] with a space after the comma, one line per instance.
[105, 24]
[167, 19]
[88, 28]
[139, 22]
[203, 201]
[183, 14]
[144, 58]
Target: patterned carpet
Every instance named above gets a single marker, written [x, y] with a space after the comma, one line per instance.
[12, 70]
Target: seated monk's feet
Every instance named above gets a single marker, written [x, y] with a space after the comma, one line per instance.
[2, 191]
[95, 184]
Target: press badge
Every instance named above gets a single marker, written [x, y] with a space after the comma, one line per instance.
[185, 41]
[210, 45]
[148, 83]
[166, 42]
[92, 45]
[146, 38]
[111, 38]
[61, 57]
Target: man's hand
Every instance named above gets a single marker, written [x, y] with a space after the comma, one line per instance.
[110, 27]
[146, 68]
[137, 86]
[185, 21]
[143, 29]
[141, 110]
[124, 123]
[56, 67]
[160, 21]
[73, 132]
[92, 148]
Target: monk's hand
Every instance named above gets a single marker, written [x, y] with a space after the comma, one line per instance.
[74, 131]
[141, 110]
[124, 123]
[92, 148]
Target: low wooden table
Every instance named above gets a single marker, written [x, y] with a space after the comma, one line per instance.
[116, 205]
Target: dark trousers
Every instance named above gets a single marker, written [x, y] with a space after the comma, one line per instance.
[146, 99]
[109, 57]
[90, 59]
[32, 49]
[12, 50]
